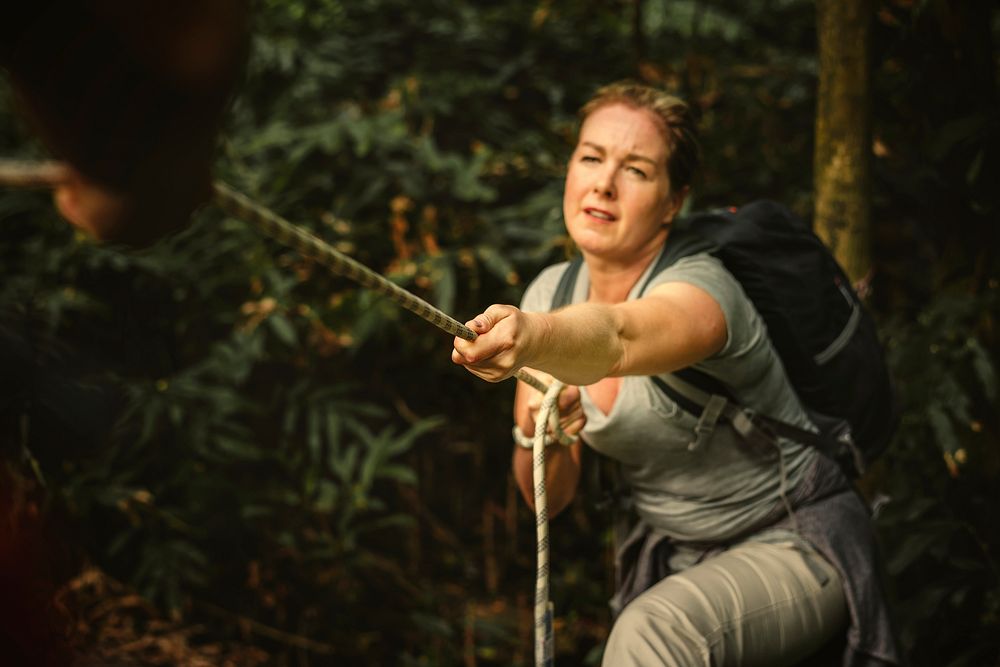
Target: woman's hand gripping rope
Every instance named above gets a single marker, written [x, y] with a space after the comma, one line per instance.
[501, 354]
[505, 350]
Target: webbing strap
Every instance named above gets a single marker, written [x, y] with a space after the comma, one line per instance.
[757, 429]
[703, 430]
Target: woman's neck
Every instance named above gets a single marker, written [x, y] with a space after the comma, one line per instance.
[611, 282]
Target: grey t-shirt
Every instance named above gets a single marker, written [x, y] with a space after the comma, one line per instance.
[719, 490]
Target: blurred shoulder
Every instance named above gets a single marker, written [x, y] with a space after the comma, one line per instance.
[538, 295]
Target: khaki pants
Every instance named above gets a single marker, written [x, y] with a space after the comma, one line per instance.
[757, 604]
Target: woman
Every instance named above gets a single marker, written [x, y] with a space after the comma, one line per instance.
[733, 562]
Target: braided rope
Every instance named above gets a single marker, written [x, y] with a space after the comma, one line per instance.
[293, 236]
[543, 607]
[18, 174]
[296, 237]
[49, 174]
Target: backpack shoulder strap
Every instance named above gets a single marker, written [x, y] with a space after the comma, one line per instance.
[567, 282]
[683, 241]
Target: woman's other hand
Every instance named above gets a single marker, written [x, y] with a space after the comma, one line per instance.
[562, 467]
[570, 419]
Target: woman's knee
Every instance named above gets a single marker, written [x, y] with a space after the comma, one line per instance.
[650, 633]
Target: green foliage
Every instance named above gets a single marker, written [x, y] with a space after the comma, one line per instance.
[938, 144]
[228, 426]
[939, 526]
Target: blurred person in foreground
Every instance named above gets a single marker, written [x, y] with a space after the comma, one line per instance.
[735, 560]
[130, 96]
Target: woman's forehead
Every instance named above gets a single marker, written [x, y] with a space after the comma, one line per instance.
[618, 127]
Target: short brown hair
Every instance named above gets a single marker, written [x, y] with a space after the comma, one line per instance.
[676, 120]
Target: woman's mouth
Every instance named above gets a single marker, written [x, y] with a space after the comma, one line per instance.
[599, 214]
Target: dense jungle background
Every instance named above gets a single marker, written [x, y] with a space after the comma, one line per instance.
[226, 455]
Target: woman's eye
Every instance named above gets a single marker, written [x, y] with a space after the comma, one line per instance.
[638, 172]
[590, 158]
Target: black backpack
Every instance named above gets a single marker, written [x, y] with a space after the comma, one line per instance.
[818, 326]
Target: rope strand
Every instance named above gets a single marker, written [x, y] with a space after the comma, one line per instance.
[543, 606]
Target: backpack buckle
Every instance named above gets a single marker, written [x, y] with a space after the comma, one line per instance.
[710, 415]
[755, 432]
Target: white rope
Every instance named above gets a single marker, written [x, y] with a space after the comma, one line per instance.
[543, 607]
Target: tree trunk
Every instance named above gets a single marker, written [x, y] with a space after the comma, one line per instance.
[843, 133]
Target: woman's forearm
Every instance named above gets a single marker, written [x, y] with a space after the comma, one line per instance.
[562, 475]
[578, 345]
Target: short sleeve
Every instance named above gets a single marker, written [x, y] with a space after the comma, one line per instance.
[537, 297]
[744, 326]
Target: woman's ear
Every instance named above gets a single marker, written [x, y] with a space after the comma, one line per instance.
[677, 200]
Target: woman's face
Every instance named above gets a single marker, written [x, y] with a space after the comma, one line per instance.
[618, 198]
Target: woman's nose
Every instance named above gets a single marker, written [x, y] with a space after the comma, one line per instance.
[604, 183]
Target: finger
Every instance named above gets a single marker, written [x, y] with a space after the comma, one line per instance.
[497, 312]
[574, 412]
[480, 324]
[569, 397]
[574, 426]
[461, 352]
[485, 321]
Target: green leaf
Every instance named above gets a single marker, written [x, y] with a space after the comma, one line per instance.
[283, 328]
[238, 449]
[982, 365]
[391, 521]
[345, 465]
[913, 547]
[333, 428]
[326, 498]
[432, 625]
[944, 431]
[314, 439]
[496, 263]
[442, 275]
[400, 473]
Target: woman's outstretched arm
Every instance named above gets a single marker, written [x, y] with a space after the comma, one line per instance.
[674, 326]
